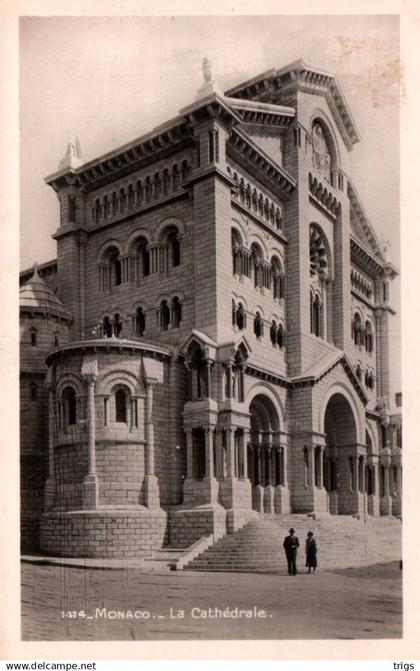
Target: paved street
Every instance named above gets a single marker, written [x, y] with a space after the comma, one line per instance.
[350, 603]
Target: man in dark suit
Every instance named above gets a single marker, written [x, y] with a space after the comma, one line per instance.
[291, 544]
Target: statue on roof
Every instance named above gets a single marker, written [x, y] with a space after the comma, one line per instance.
[73, 156]
[207, 70]
[209, 85]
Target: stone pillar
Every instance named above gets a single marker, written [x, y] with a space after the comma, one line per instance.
[269, 489]
[188, 433]
[90, 483]
[244, 448]
[258, 492]
[230, 451]
[151, 485]
[208, 378]
[81, 243]
[49, 491]
[210, 484]
[386, 499]
[229, 379]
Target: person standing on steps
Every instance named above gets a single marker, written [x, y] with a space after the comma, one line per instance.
[291, 544]
[311, 549]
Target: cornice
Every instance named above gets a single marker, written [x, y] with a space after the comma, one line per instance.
[270, 85]
[364, 257]
[252, 158]
[359, 211]
[118, 164]
[110, 344]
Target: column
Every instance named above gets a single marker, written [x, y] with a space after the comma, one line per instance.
[90, 483]
[208, 378]
[230, 451]
[229, 379]
[81, 243]
[49, 491]
[386, 499]
[209, 484]
[269, 489]
[151, 485]
[258, 490]
[244, 448]
[190, 464]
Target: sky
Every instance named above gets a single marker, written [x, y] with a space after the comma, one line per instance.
[109, 80]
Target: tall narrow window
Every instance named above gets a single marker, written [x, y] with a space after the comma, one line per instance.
[174, 247]
[165, 315]
[33, 336]
[368, 337]
[140, 322]
[273, 332]
[240, 317]
[69, 398]
[280, 336]
[120, 406]
[117, 325]
[316, 314]
[258, 325]
[176, 312]
[34, 391]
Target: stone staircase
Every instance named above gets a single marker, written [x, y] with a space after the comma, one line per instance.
[343, 541]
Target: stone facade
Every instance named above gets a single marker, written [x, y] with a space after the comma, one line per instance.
[222, 304]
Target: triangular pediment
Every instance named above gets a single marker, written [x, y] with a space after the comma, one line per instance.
[323, 367]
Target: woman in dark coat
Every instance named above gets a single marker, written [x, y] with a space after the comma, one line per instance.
[311, 561]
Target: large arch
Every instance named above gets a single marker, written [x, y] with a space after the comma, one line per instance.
[344, 461]
[343, 390]
[340, 425]
[265, 390]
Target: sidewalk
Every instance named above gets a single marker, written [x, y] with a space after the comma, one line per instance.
[144, 565]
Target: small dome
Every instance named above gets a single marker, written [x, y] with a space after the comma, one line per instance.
[36, 296]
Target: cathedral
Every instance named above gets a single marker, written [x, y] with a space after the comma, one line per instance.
[211, 344]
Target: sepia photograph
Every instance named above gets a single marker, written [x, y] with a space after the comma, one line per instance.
[210, 330]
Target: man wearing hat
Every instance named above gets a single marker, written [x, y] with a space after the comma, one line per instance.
[291, 544]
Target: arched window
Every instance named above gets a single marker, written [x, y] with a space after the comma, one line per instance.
[117, 325]
[121, 405]
[175, 177]
[317, 253]
[368, 337]
[110, 270]
[280, 336]
[165, 315]
[258, 325]
[359, 371]
[33, 336]
[69, 398]
[176, 312]
[106, 328]
[257, 262]
[273, 332]
[357, 330]
[140, 322]
[321, 153]
[142, 257]
[240, 317]
[56, 339]
[173, 245]
[33, 387]
[166, 182]
[277, 278]
[148, 189]
[316, 315]
[236, 253]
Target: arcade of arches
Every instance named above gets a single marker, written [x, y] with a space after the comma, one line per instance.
[249, 461]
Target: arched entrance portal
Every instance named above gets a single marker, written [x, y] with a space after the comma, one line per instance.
[344, 461]
[266, 457]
